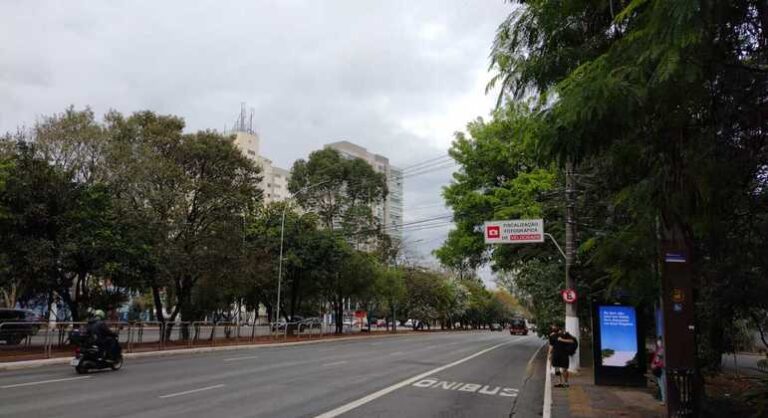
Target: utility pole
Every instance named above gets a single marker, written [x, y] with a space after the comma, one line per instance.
[571, 309]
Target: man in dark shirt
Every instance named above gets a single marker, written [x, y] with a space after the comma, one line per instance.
[560, 346]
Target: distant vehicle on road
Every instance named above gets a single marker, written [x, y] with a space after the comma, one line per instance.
[496, 327]
[17, 324]
[518, 327]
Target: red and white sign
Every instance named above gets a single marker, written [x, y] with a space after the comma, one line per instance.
[569, 295]
[518, 231]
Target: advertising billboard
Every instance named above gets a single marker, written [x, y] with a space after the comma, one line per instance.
[618, 335]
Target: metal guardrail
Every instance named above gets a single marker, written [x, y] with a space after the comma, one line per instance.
[43, 339]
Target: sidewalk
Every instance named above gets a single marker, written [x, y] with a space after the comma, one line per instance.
[584, 399]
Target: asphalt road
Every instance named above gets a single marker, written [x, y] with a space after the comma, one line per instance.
[472, 374]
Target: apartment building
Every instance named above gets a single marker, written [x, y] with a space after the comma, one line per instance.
[274, 181]
[390, 212]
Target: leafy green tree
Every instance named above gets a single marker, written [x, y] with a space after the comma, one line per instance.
[300, 280]
[428, 295]
[192, 189]
[62, 236]
[501, 177]
[391, 289]
[663, 102]
[341, 192]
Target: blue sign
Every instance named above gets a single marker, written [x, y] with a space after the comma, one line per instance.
[618, 335]
[674, 258]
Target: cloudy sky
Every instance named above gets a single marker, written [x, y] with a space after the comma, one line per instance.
[398, 77]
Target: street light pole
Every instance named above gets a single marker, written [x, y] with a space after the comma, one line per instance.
[282, 236]
[280, 264]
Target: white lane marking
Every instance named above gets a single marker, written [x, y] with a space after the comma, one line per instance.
[373, 396]
[42, 382]
[171, 395]
[335, 363]
[375, 344]
[396, 353]
[429, 347]
[241, 358]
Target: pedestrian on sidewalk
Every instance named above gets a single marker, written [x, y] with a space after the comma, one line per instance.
[657, 368]
[561, 347]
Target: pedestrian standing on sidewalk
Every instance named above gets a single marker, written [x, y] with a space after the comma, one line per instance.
[657, 368]
[561, 347]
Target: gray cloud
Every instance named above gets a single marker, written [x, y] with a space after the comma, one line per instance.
[396, 76]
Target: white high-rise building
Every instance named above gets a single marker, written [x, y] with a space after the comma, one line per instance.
[274, 180]
[390, 213]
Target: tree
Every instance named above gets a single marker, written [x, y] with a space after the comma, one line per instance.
[300, 240]
[664, 102]
[192, 189]
[342, 192]
[61, 236]
[390, 286]
[428, 295]
[501, 177]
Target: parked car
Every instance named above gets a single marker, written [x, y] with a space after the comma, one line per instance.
[518, 327]
[311, 322]
[496, 327]
[292, 325]
[13, 328]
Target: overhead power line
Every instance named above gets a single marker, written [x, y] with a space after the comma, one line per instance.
[428, 165]
[412, 166]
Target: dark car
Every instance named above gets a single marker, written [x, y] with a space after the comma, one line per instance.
[17, 324]
[518, 327]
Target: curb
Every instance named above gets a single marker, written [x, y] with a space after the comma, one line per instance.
[31, 364]
[547, 410]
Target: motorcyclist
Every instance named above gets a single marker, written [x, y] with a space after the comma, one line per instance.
[105, 338]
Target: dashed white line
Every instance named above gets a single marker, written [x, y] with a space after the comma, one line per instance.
[373, 396]
[42, 382]
[335, 363]
[241, 358]
[172, 395]
[396, 353]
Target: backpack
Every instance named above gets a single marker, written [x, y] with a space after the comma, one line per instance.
[572, 347]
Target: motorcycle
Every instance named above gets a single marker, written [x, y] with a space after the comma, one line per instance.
[88, 356]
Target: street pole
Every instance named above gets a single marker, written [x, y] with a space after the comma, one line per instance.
[571, 311]
[282, 235]
[280, 264]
